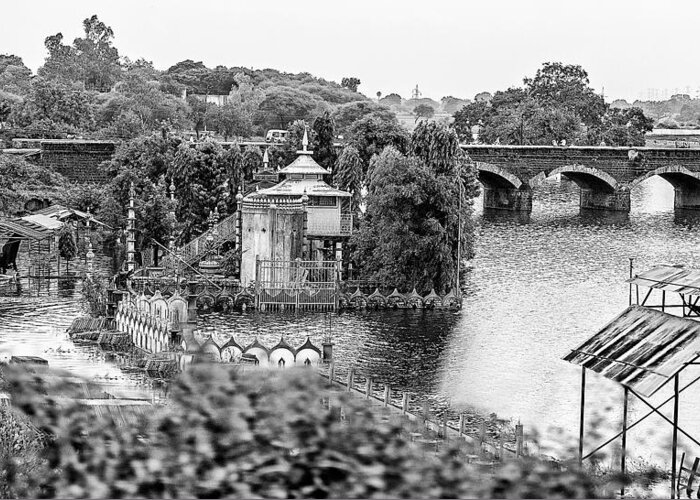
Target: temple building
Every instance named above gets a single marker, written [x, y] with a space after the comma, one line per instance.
[301, 217]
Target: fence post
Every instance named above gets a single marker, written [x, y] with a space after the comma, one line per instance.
[519, 440]
[482, 432]
[404, 403]
[368, 388]
[462, 423]
[331, 373]
[387, 395]
[351, 374]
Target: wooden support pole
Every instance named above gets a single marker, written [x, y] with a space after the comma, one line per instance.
[663, 300]
[581, 422]
[387, 395]
[351, 376]
[462, 423]
[630, 301]
[444, 426]
[519, 440]
[368, 388]
[674, 451]
[404, 403]
[482, 432]
[623, 458]
[426, 410]
[331, 373]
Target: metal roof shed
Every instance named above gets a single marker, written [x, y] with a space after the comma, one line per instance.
[642, 349]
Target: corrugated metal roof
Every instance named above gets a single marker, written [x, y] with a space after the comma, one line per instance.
[670, 278]
[43, 221]
[641, 348]
[23, 229]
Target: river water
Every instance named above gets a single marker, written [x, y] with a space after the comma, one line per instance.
[537, 288]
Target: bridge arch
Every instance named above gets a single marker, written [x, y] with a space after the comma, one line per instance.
[677, 175]
[494, 176]
[586, 178]
[686, 185]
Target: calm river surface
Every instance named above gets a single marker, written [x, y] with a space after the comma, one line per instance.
[537, 288]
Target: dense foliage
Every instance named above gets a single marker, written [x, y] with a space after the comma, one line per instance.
[87, 89]
[556, 106]
[227, 433]
[21, 181]
[408, 236]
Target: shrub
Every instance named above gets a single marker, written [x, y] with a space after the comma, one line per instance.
[226, 432]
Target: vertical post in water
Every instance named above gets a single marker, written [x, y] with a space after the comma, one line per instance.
[623, 464]
[331, 373]
[404, 403]
[368, 388]
[462, 423]
[663, 300]
[583, 406]
[387, 395]
[351, 376]
[519, 440]
[674, 451]
[631, 260]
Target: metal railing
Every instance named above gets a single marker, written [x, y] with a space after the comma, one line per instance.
[222, 232]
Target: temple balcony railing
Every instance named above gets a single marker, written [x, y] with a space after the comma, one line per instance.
[192, 251]
[330, 226]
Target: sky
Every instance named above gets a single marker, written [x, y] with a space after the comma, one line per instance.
[453, 47]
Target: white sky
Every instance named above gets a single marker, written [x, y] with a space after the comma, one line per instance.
[446, 47]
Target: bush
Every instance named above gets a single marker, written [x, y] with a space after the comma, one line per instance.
[257, 433]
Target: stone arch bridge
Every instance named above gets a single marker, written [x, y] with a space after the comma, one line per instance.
[605, 175]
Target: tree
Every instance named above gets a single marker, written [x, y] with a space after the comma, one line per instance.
[56, 106]
[350, 83]
[324, 135]
[566, 86]
[408, 237]
[371, 134]
[467, 117]
[452, 104]
[348, 175]
[67, 248]
[283, 105]
[484, 97]
[15, 77]
[201, 173]
[625, 127]
[346, 115]
[91, 60]
[423, 111]
[379, 95]
[137, 106]
[391, 100]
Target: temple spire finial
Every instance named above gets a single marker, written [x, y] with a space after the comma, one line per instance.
[266, 160]
[305, 140]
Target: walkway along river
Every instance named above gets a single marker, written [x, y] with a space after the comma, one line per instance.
[537, 288]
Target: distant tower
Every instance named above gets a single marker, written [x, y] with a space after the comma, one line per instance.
[415, 93]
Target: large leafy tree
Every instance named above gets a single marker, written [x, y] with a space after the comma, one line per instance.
[15, 77]
[91, 60]
[203, 181]
[371, 134]
[138, 106]
[283, 105]
[350, 82]
[324, 134]
[56, 107]
[409, 235]
[346, 115]
[348, 175]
